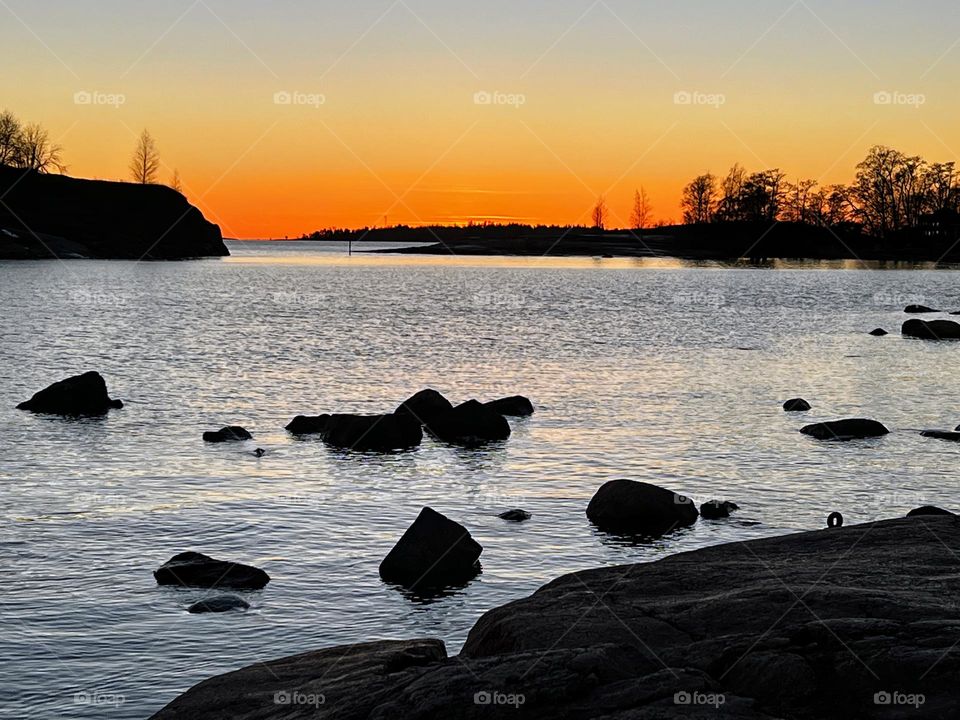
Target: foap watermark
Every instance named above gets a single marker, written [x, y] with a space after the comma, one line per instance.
[499, 699]
[295, 697]
[295, 97]
[894, 498]
[488, 299]
[699, 698]
[713, 300]
[896, 697]
[897, 299]
[95, 298]
[514, 100]
[95, 97]
[695, 97]
[895, 97]
[299, 299]
[98, 698]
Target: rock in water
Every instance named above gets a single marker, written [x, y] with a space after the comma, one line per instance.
[193, 569]
[627, 507]
[928, 510]
[514, 406]
[796, 405]
[308, 425]
[918, 309]
[942, 435]
[516, 515]
[716, 510]
[84, 394]
[425, 406]
[470, 424]
[233, 433]
[434, 552]
[879, 332]
[931, 330]
[219, 604]
[373, 433]
[849, 429]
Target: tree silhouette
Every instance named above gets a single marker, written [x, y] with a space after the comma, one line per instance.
[640, 217]
[37, 152]
[145, 164]
[599, 214]
[175, 181]
[10, 131]
[699, 199]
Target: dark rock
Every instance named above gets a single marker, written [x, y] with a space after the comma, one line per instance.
[259, 452]
[515, 406]
[928, 510]
[627, 507]
[716, 510]
[834, 520]
[193, 569]
[918, 309]
[470, 424]
[942, 435]
[849, 429]
[931, 330]
[879, 332]
[515, 515]
[373, 433]
[434, 552]
[84, 394]
[100, 219]
[425, 406]
[639, 642]
[219, 604]
[796, 405]
[233, 433]
[307, 425]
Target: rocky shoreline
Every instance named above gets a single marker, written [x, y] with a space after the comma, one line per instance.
[852, 622]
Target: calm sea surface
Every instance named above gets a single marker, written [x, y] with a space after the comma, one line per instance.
[651, 371]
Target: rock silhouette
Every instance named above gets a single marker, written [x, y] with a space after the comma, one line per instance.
[425, 406]
[433, 553]
[879, 332]
[942, 435]
[796, 405]
[308, 425]
[928, 510]
[79, 395]
[373, 433]
[848, 429]
[193, 569]
[627, 507]
[918, 309]
[931, 329]
[516, 515]
[232, 433]
[514, 406]
[218, 604]
[716, 510]
[470, 424]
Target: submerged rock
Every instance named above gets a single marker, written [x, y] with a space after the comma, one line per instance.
[373, 433]
[193, 569]
[84, 394]
[516, 515]
[233, 433]
[627, 507]
[918, 309]
[425, 406]
[931, 329]
[716, 510]
[219, 604]
[849, 429]
[928, 510]
[470, 424]
[942, 435]
[879, 332]
[434, 552]
[796, 405]
[308, 425]
[514, 406]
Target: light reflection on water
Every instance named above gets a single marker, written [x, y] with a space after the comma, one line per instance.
[638, 370]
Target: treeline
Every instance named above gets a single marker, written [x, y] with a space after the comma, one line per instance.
[28, 146]
[445, 233]
[892, 192]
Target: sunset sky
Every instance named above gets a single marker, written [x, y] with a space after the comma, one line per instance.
[283, 117]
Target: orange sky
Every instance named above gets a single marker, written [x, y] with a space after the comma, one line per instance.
[384, 116]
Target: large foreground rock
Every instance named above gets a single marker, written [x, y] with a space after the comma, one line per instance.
[84, 394]
[434, 552]
[810, 626]
[308, 425]
[193, 569]
[376, 433]
[470, 424]
[627, 507]
[931, 329]
[849, 429]
[425, 406]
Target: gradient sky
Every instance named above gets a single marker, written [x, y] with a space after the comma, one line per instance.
[399, 133]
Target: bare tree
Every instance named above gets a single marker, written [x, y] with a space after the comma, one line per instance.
[699, 199]
[599, 214]
[145, 164]
[10, 140]
[37, 152]
[642, 209]
[175, 181]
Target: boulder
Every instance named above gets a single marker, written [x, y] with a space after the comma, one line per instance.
[942, 435]
[425, 406]
[434, 552]
[308, 425]
[879, 332]
[918, 309]
[928, 510]
[849, 429]
[796, 405]
[627, 507]
[514, 406]
[931, 330]
[219, 604]
[193, 569]
[373, 433]
[716, 510]
[470, 424]
[233, 433]
[516, 515]
[84, 394]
